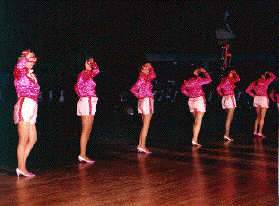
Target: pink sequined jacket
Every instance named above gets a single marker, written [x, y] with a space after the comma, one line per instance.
[25, 81]
[272, 96]
[261, 87]
[193, 87]
[85, 86]
[143, 87]
[227, 86]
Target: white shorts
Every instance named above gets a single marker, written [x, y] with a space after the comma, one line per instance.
[146, 105]
[197, 104]
[261, 101]
[87, 106]
[228, 102]
[25, 110]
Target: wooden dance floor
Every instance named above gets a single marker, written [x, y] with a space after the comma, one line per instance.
[218, 173]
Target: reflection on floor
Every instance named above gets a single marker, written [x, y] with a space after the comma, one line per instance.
[218, 173]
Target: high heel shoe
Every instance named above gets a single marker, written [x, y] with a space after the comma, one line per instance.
[260, 135]
[196, 144]
[19, 172]
[255, 134]
[227, 138]
[81, 159]
[143, 150]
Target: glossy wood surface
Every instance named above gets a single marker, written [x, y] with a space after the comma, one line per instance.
[219, 173]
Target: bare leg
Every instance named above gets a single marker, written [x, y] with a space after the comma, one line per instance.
[31, 141]
[87, 121]
[262, 116]
[229, 119]
[257, 121]
[197, 125]
[140, 139]
[23, 134]
[143, 134]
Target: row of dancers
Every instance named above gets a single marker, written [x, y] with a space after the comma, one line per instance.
[28, 89]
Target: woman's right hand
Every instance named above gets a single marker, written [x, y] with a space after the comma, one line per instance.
[202, 70]
[29, 55]
[148, 65]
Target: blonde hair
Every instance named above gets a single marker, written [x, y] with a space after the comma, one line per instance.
[21, 57]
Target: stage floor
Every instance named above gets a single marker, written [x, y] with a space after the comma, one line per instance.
[219, 173]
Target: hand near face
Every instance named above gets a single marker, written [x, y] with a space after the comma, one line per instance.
[148, 65]
[29, 55]
[145, 71]
[91, 59]
[202, 70]
[29, 65]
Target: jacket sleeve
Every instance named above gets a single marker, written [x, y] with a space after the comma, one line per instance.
[76, 87]
[236, 78]
[184, 88]
[90, 74]
[219, 89]
[135, 88]
[95, 70]
[207, 79]
[20, 68]
[272, 77]
[151, 75]
[250, 88]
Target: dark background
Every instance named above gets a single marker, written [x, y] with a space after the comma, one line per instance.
[63, 34]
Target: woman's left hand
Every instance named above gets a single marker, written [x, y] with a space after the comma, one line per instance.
[202, 70]
[91, 60]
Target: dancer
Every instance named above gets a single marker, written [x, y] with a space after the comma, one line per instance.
[225, 90]
[274, 95]
[143, 91]
[86, 106]
[261, 101]
[192, 88]
[25, 110]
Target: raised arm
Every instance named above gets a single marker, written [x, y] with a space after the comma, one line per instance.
[250, 88]
[272, 77]
[236, 78]
[20, 68]
[22, 63]
[91, 73]
[95, 70]
[149, 77]
[207, 79]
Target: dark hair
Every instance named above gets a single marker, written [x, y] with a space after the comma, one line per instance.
[190, 70]
[267, 76]
[226, 72]
[140, 66]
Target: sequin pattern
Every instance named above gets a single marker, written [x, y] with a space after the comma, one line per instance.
[25, 81]
[261, 87]
[85, 86]
[143, 87]
[193, 87]
[227, 86]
